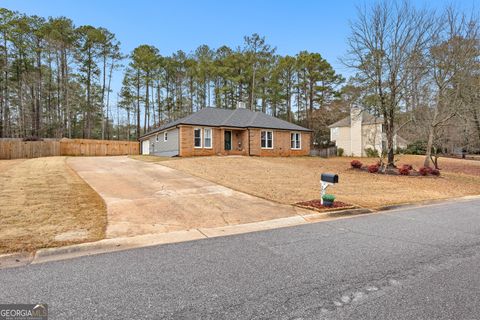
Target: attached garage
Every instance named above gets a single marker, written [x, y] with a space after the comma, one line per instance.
[163, 143]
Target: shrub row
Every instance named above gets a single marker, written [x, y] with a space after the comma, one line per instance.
[427, 170]
[356, 164]
[404, 170]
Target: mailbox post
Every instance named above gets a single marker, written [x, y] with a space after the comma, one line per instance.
[327, 179]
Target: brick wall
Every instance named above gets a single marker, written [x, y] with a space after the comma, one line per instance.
[281, 143]
[187, 148]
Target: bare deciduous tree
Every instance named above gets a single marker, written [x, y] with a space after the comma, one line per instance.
[450, 60]
[384, 41]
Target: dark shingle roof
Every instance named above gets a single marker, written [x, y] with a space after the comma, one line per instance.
[366, 119]
[239, 118]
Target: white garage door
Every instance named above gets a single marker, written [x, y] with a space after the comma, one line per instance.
[146, 147]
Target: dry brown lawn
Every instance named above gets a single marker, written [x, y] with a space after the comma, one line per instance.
[44, 203]
[295, 179]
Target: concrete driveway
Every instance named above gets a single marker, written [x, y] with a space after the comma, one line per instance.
[147, 198]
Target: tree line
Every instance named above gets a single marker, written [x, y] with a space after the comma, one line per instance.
[163, 88]
[56, 81]
[55, 77]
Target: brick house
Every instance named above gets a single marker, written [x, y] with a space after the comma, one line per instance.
[215, 131]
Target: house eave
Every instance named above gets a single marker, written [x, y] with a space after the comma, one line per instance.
[152, 133]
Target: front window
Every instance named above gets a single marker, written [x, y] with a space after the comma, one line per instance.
[267, 139]
[197, 137]
[207, 137]
[165, 136]
[295, 140]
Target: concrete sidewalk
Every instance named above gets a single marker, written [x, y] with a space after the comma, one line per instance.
[146, 198]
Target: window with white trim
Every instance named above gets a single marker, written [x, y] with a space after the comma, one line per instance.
[295, 140]
[267, 139]
[197, 137]
[207, 138]
[165, 136]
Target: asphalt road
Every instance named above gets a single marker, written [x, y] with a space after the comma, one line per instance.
[421, 263]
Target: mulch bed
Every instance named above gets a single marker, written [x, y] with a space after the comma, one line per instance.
[394, 172]
[317, 205]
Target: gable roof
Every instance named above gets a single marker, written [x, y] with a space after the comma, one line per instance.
[238, 118]
[367, 118]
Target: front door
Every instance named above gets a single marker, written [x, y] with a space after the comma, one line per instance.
[228, 140]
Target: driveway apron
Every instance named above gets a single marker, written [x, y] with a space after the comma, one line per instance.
[145, 198]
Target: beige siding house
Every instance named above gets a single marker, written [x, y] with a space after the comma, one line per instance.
[360, 131]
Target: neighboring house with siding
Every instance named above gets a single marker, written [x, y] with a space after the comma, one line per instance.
[360, 131]
[216, 131]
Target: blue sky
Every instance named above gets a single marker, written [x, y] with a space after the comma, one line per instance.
[291, 26]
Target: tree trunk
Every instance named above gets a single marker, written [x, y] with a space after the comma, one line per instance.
[65, 93]
[159, 103]
[264, 94]
[252, 93]
[128, 124]
[390, 136]
[147, 104]
[153, 106]
[289, 104]
[103, 93]
[138, 104]
[110, 74]
[87, 128]
[310, 105]
[431, 135]
[476, 121]
[38, 103]
[5, 108]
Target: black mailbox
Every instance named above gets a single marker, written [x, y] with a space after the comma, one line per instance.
[329, 177]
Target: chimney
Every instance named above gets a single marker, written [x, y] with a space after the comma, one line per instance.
[355, 113]
[356, 131]
[241, 105]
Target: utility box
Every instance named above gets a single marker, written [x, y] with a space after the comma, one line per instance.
[329, 177]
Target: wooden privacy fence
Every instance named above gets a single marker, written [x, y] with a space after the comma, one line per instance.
[17, 149]
[84, 147]
[324, 152]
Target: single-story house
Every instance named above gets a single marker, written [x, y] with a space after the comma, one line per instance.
[360, 131]
[216, 131]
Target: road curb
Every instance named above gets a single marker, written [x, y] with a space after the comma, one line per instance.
[112, 245]
[17, 259]
[119, 244]
[125, 243]
[424, 203]
[336, 214]
[254, 226]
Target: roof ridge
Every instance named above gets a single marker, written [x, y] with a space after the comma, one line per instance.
[230, 116]
[245, 118]
[255, 115]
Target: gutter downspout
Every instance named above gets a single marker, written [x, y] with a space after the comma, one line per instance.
[179, 141]
[249, 154]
